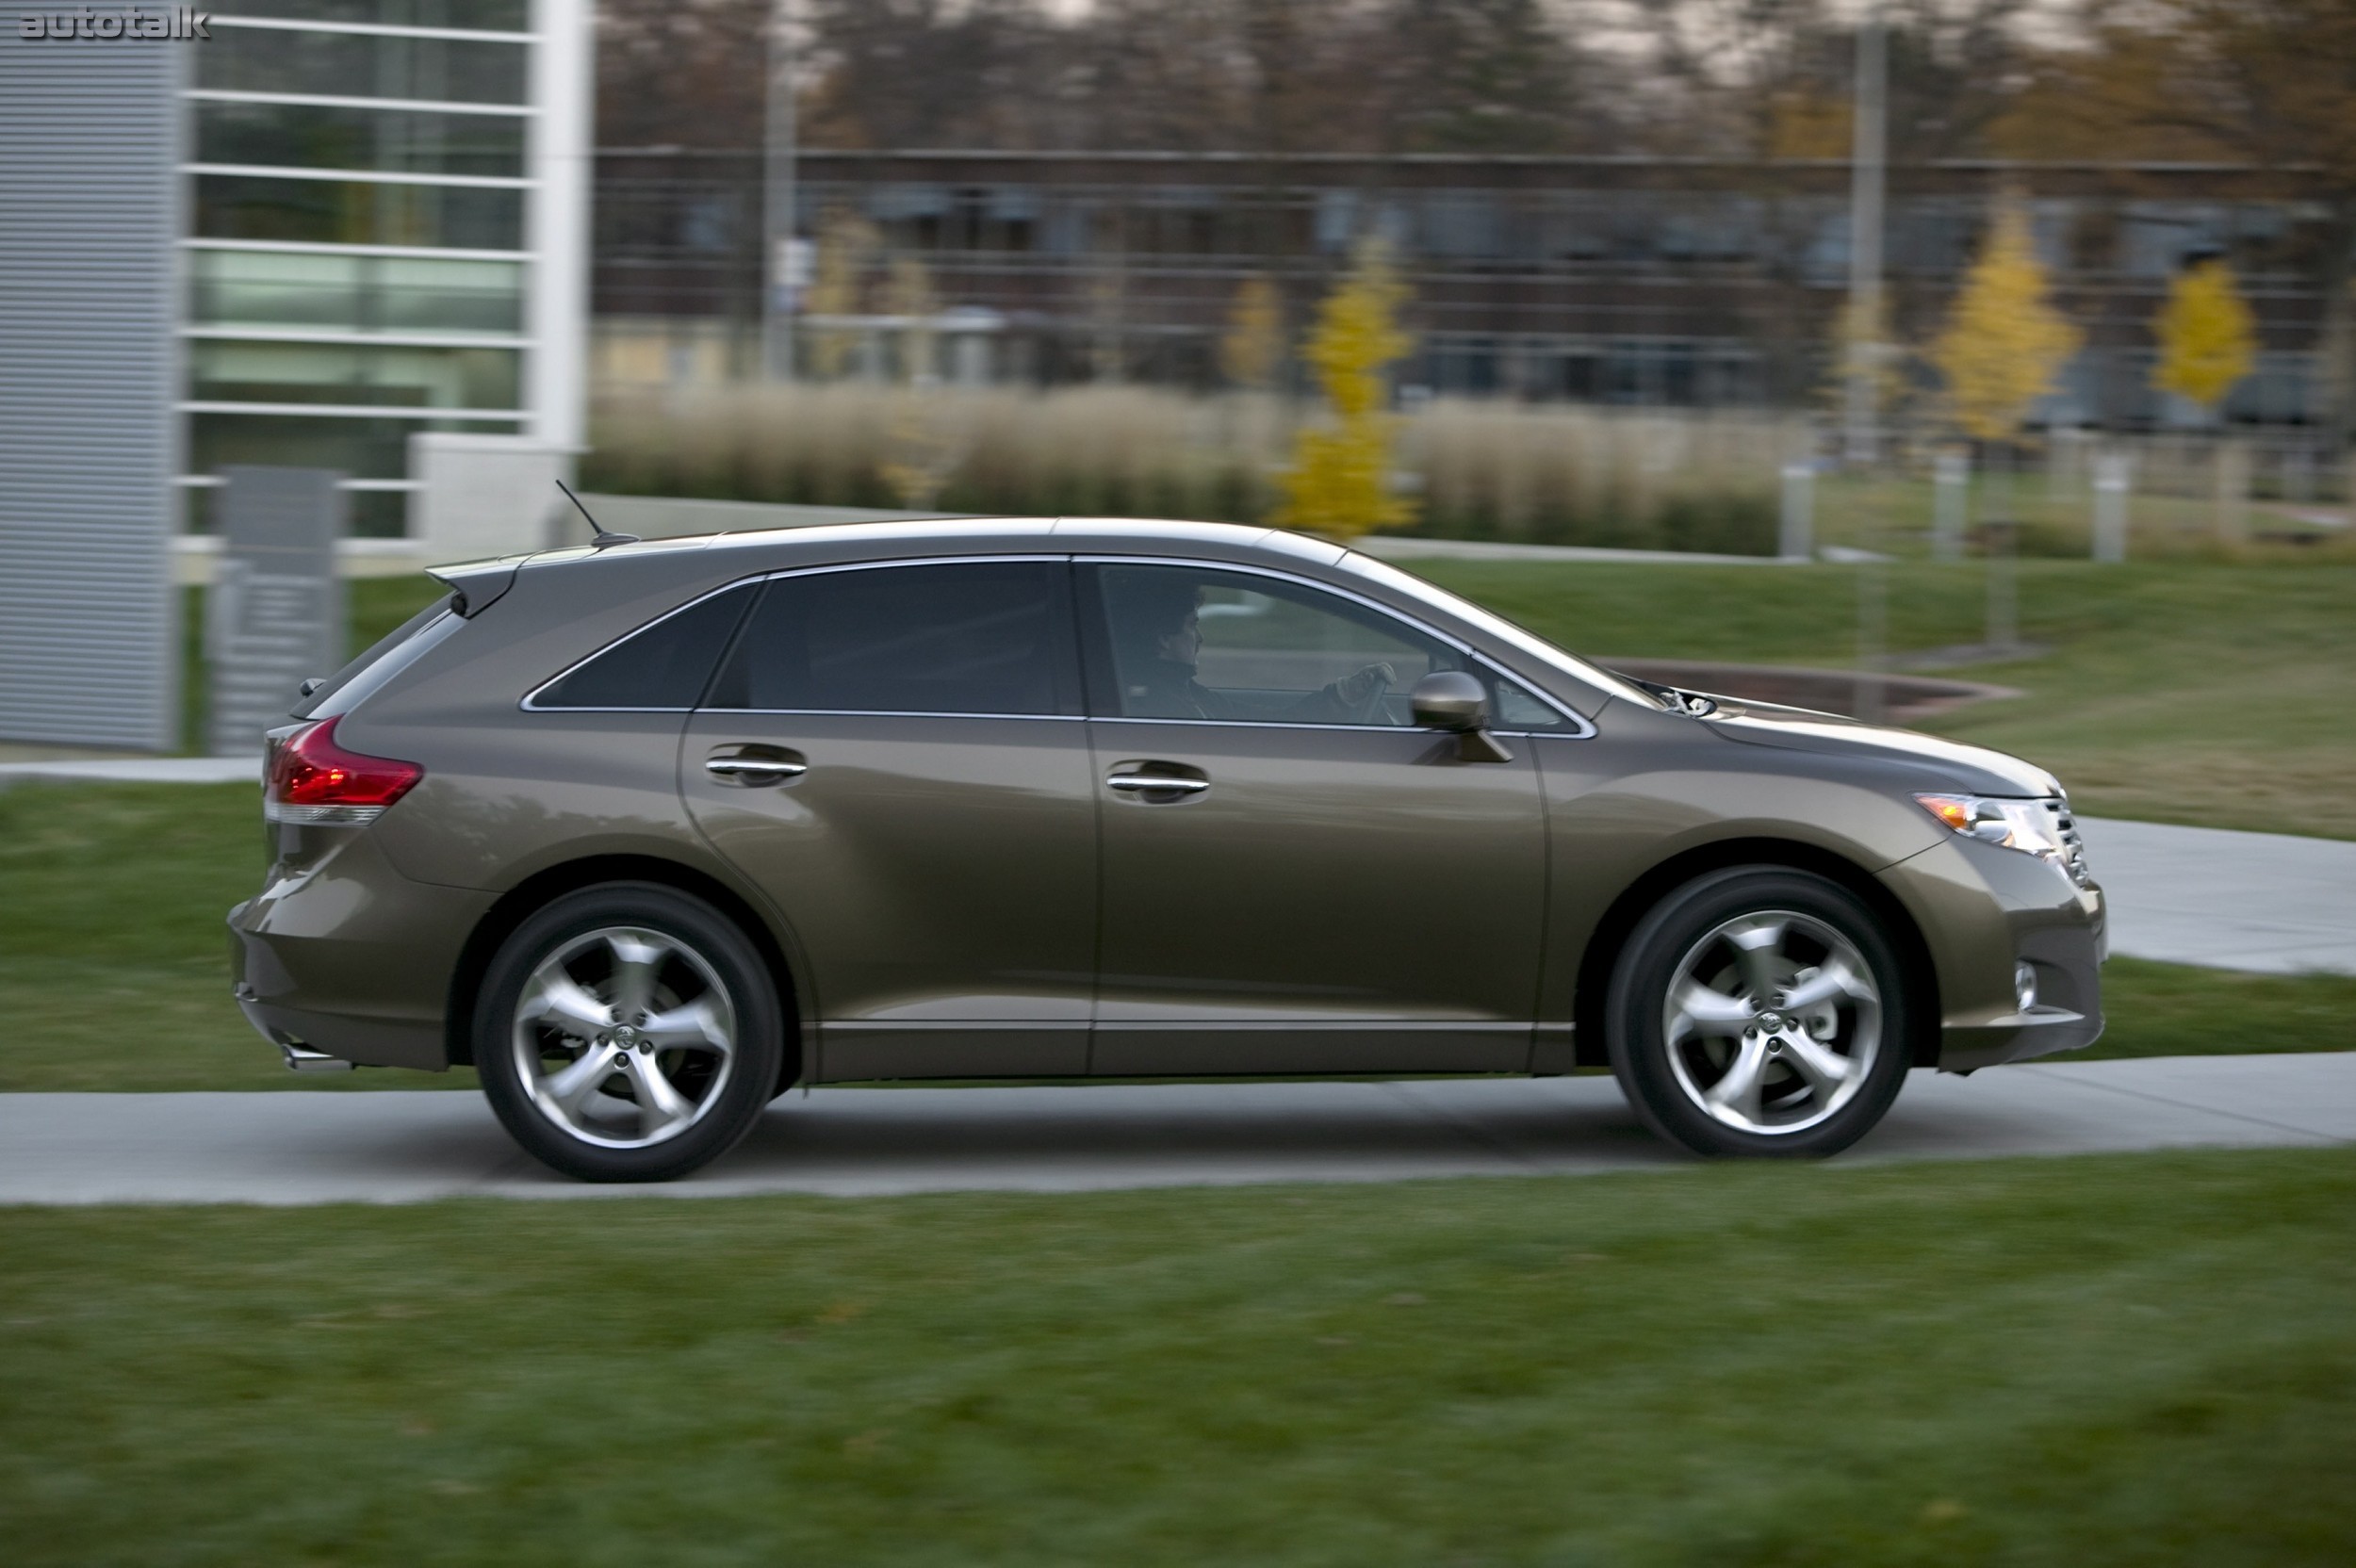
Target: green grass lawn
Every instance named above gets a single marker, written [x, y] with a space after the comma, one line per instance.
[2121, 1360]
[113, 956]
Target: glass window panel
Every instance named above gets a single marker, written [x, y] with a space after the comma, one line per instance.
[316, 136]
[663, 665]
[494, 16]
[274, 288]
[354, 212]
[363, 65]
[355, 293]
[1197, 643]
[985, 637]
[220, 371]
[355, 448]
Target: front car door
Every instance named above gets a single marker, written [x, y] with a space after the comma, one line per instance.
[1294, 878]
[895, 754]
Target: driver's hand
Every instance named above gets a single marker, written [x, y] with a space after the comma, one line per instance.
[1360, 685]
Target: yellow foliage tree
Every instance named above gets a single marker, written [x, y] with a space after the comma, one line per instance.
[2006, 342]
[2208, 339]
[1340, 483]
[1254, 345]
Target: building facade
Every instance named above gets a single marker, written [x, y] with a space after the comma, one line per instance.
[89, 207]
[385, 237]
[1638, 281]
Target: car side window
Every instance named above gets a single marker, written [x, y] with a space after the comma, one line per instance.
[1202, 642]
[947, 637]
[661, 665]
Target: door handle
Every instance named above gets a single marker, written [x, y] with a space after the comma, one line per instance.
[1156, 783]
[753, 771]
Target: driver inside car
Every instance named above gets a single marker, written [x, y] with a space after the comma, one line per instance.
[1157, 672]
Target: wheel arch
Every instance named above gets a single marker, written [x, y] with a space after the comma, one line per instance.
[518, 903]
[1619, 921]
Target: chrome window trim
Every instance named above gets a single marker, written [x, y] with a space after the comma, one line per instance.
[1582, 728]
[532, 704]
[1584, 731]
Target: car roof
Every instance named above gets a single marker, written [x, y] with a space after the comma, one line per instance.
[917, 536]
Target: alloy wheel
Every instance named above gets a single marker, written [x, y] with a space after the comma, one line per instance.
[624, 1036]
[1772, 1020]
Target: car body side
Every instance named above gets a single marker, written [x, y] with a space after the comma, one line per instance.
[366, 944]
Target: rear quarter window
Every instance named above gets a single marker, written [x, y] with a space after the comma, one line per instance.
[664, 664]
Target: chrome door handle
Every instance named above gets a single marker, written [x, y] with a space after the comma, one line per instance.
[1143, 783]
[754, 769]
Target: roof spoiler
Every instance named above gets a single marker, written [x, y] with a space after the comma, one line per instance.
[476, 585]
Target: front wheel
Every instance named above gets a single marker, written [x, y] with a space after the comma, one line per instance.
[1760, 1010]
[628, 1033]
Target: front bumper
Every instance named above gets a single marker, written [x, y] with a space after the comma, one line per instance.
[341, 955]
[1982, 909]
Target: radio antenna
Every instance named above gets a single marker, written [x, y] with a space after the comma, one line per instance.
[602, 540]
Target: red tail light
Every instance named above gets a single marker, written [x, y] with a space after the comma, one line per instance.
[313, 780]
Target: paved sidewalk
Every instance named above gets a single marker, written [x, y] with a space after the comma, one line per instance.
[295, 1148]
[2267, 902]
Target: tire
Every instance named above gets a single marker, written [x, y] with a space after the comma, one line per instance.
[628, 1031]
[1709, 1068]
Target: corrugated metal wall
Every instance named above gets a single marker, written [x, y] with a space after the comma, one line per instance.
[90, 645]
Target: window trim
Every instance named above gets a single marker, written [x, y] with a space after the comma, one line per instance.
[1582, 728]
[1084, 655]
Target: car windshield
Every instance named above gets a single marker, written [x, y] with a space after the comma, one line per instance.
[1494, 625]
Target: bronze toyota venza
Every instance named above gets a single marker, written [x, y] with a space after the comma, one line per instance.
[649, 833]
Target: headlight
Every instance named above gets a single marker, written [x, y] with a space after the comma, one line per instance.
[2038, 827]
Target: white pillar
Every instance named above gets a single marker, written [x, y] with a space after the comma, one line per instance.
[556, 224]
[1951, 480]
[1795, 539]
[2112, 477]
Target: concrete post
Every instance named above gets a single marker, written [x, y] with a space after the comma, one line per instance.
[1951, 479]
[2232, 492]
[2113, 472]
[1797, 538]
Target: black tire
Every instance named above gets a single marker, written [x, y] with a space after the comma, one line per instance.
[1793, 1113]
[647, 1137]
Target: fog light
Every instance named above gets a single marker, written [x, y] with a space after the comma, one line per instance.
[2024, 987]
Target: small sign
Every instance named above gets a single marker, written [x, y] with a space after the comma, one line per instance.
[275, 614]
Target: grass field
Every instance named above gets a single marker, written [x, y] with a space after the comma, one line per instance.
[2123, 1360]
[112, 966]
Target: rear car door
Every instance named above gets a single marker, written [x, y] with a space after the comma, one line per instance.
[1294, 878]
[895, 754]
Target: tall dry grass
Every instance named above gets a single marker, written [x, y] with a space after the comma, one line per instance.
[1482, 470]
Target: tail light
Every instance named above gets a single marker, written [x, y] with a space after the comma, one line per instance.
[312, 780]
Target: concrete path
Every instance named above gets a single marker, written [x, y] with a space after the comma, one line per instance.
[2201, 895]
[294, 1148]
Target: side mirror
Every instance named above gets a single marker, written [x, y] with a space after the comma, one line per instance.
[1458, 703]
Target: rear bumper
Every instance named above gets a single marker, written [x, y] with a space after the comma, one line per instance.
[1984, 910]
[344, 955]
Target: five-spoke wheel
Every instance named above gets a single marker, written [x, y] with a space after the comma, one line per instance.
[628, 1031]
[1760, 1010]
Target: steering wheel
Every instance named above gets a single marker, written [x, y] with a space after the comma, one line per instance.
[1369, 708]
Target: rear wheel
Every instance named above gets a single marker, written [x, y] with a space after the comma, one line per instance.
[628, 1033]
[1760, 1010]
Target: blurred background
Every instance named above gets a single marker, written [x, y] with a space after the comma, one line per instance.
[1954, 278]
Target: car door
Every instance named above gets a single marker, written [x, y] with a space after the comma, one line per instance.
[895, 754]
[1294, 877]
